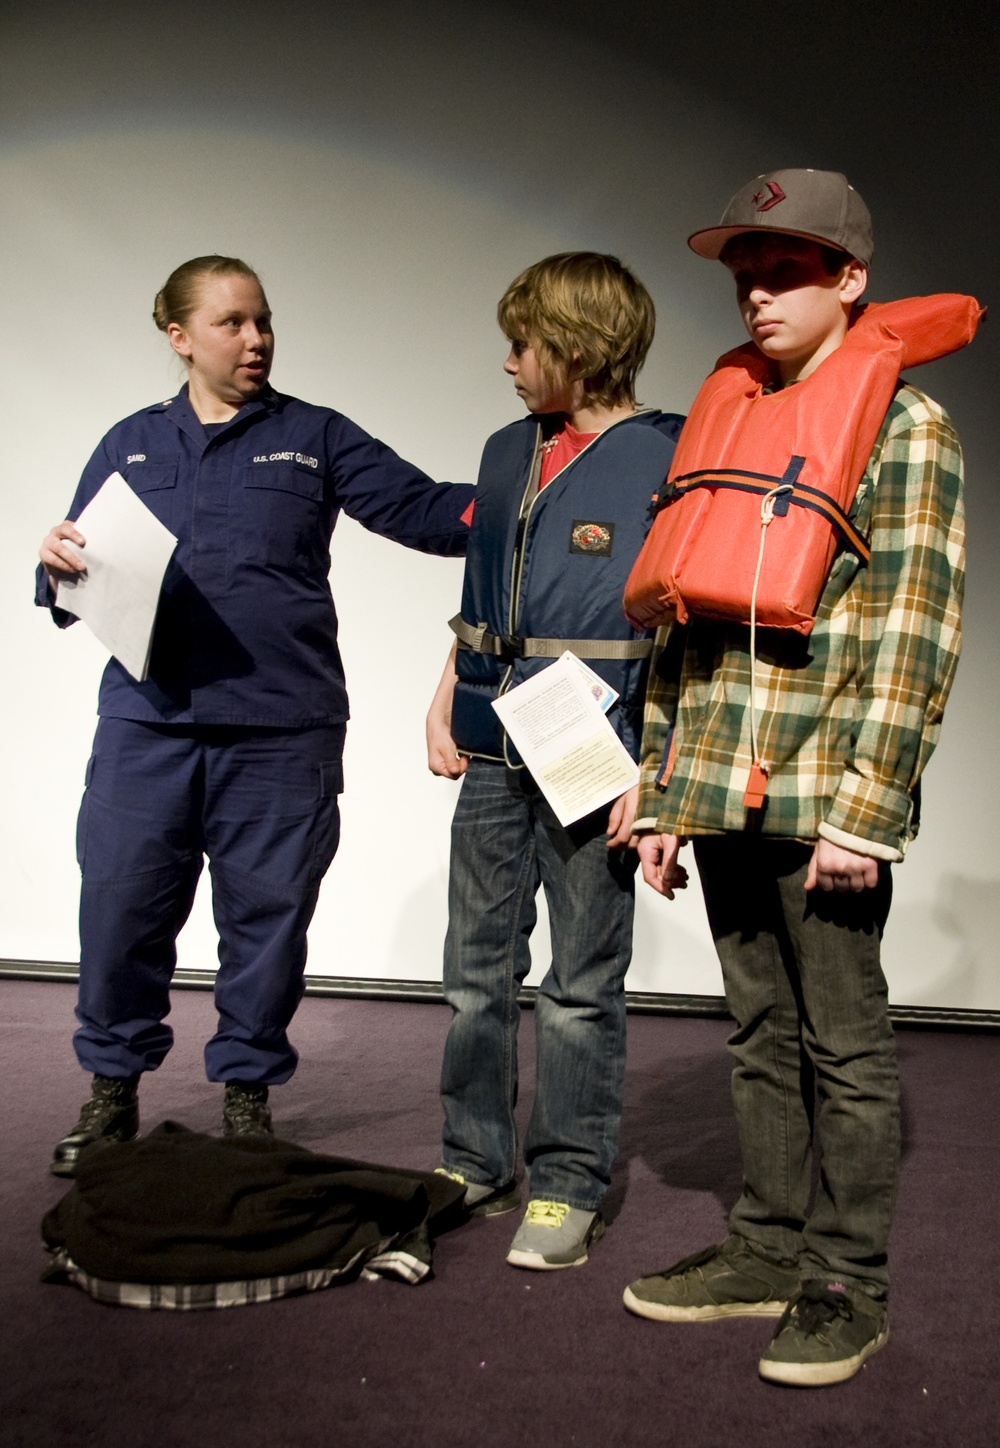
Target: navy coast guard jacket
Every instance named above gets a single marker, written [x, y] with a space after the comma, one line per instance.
[559, 570]
[246, 631]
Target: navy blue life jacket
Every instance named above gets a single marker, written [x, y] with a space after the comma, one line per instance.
[558, 572]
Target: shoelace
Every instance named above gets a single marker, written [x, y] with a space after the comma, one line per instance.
[816, 1307]
[246, 1108]
[546, 1214]
[107, 1098]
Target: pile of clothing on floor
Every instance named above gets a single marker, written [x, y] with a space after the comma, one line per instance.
[182, 1220]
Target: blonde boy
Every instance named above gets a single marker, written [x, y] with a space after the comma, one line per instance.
[562, 508]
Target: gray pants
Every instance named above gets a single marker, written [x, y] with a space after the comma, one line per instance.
[815, 1057]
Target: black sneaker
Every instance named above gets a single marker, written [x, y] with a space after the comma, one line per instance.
[824, 1336]
[727, 1281]
[111, 1114]
[245, 1111]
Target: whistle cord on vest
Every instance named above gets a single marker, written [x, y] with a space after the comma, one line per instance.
[756, 788]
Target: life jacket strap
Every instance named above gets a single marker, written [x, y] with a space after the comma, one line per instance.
[798, 494]
[508, 647]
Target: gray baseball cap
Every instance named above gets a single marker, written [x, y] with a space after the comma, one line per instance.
[818, 205]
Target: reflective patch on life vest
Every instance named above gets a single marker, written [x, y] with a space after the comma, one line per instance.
[592, 538]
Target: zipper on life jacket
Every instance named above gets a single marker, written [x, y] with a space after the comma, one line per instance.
[517, 557]
[528, 502]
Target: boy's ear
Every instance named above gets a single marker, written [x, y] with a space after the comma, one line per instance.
[853, 282]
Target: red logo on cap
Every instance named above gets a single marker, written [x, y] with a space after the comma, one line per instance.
[763, 202]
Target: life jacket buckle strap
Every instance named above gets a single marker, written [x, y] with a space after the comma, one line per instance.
[478, 639]
[510, 647]
[664, 496]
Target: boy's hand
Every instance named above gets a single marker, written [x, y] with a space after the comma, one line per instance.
[660, 870]
[441, 756]
[58, 558]
[621, 817]
[834, 868]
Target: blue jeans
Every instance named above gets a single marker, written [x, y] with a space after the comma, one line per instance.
[505, 843]
[815, 1057]
[262, 804]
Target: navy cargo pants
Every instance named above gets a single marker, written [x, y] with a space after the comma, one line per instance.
[262, 805]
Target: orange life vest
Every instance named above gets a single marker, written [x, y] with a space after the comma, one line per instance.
[782, 468]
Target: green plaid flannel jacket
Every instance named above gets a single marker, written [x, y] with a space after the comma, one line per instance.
[848, 716]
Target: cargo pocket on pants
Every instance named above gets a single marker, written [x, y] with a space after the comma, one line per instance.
[326, 828]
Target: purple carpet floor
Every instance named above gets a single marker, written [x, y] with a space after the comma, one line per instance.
[483, 1354]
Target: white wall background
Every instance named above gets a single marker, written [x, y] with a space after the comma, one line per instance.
[388, 169]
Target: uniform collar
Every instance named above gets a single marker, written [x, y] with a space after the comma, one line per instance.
[180, 412]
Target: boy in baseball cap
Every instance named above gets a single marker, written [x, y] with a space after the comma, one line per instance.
[839, 719]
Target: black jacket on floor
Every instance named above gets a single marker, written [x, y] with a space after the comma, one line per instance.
[181, 1207]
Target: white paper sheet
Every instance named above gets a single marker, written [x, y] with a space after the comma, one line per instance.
[126, 553]
[559, 730]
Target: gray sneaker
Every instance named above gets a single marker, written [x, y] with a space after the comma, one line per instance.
[727, 1281]
[554, 1235]
[481, 1199]
[825, 1336]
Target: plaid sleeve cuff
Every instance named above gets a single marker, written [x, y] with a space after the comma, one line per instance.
[650, 794]
[860, 846]
[870, 813]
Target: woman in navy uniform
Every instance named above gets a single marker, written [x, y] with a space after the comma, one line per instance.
[231, 748]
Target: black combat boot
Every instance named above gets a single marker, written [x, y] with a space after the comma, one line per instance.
[245, 1111]
[111, 1114]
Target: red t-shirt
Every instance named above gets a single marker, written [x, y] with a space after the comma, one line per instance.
[560, 451]
[557, 453]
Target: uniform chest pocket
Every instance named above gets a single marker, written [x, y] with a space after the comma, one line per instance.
[156, 484]
[282, 515]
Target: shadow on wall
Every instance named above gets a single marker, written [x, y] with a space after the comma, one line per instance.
[947, 945]
[418, 934]
[969, 910]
